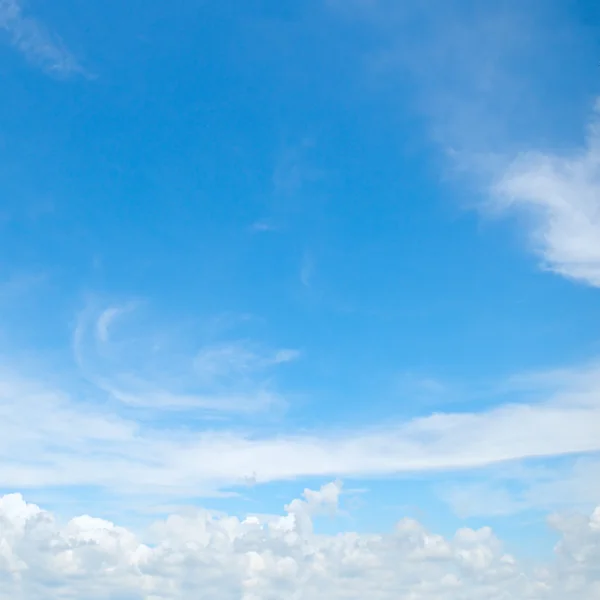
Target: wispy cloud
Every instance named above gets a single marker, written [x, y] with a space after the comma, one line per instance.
[285, 356]
[416, 385]
[483, 75]
[292, 171]
[107, 317]
[464, 63]
[292, 187]
[85, 444]
[561, 196]
[542, 484]
[225, 361]
[141, 393]
[39, 45]
[263, 226]
[140, 370]
[307, 269]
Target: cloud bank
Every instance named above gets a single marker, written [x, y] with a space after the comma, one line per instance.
[220, 557]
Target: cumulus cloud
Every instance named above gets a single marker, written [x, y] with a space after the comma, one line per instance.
[35, 41]
[561, 194]
[279, 557]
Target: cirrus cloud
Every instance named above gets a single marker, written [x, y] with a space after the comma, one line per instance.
[39, 45]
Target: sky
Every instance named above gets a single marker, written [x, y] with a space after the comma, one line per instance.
[300, 300]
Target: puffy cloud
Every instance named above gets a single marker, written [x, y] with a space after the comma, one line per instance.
[221, 557]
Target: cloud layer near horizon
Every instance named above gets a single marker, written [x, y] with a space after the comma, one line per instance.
[272, 557]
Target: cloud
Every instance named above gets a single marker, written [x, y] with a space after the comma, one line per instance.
[536, 485]
[293, 189]
[292, 171]
[53, 438]
[237, 359]
[263, 226]
[307, 270]
[107, 318]
[144, 394]
[286, 355]
[324, 501]
[147, 368]
[35, 41]
[494, 81]
[466, 64]
[264, 558]
[561, 195]
[420, 385]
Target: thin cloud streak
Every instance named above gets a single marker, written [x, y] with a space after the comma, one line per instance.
[85, 445]
[307, 270]
[107, 318]
[37, 44]
[228, 377]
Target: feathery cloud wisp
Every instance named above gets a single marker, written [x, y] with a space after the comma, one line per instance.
[227, 377]
[35, 41]
[85, 444]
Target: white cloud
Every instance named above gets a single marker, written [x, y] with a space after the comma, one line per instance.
[147, 395]
[286, 355]
[149, 369]
[561, 194]
[468, 66]
[107, 318]
[34, 41]
[51, 438]
[489, 78]
[324, 501]
[237, 359]
[279, 557]
[513, 488]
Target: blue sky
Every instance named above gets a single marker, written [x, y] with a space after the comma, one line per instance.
[253, 247]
